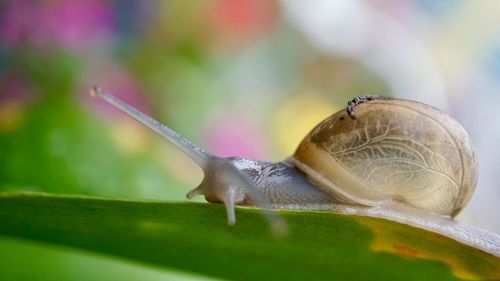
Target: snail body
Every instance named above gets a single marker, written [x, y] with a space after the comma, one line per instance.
[394, 159]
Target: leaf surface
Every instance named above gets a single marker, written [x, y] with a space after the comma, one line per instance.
[195, 237]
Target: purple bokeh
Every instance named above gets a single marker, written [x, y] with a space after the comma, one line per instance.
[69, 24]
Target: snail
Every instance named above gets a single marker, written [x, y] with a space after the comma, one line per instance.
[389, 158]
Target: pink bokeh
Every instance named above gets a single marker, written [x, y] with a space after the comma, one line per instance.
[231, 135]
[117, 81]
[69, 24]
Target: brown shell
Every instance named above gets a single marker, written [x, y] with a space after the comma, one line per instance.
[395, 149]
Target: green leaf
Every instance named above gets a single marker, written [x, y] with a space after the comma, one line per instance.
[34, 261]
[195, 237]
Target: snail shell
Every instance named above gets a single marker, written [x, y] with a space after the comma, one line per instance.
[394, 150]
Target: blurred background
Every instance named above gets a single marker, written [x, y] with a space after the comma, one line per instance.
[238, 77]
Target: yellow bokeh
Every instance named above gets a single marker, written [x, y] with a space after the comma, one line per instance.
[11, 116]
[129, 136]
[296, 116]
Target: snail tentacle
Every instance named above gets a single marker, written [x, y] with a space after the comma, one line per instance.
[200, 156]
[229, 202]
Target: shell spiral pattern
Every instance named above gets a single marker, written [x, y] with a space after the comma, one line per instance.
[395, 150]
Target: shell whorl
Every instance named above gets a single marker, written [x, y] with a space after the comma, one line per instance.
[395, 149]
